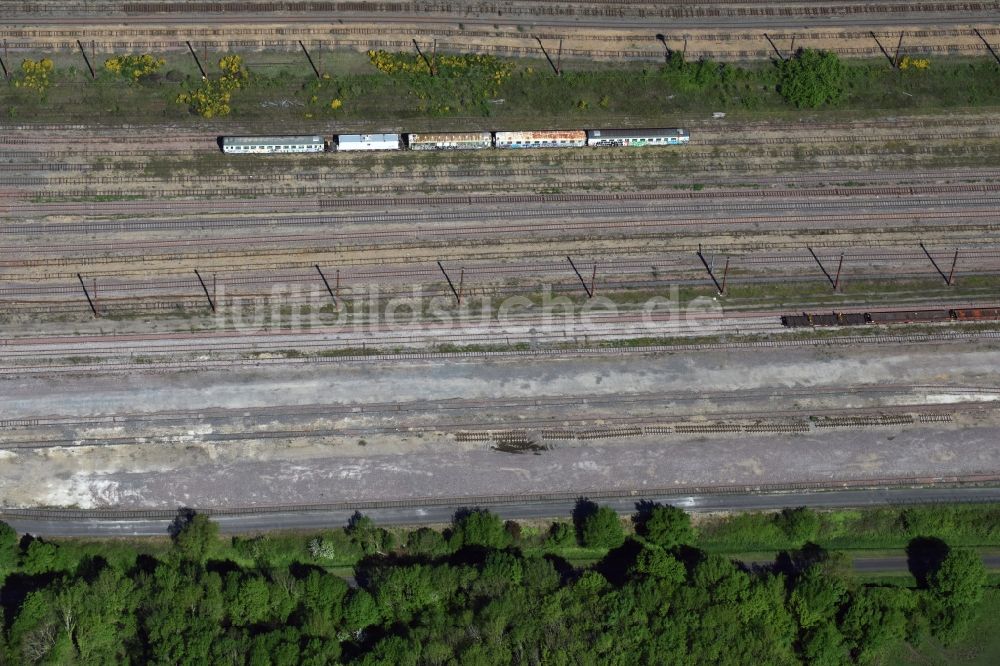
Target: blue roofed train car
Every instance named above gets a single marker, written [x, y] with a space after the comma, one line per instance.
[637, 137]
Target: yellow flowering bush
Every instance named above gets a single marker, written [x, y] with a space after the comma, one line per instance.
[456, 83]
[916, 63]
[133, 67]
[35, 75]
[212, 99]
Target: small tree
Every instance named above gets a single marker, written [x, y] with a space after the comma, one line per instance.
[9, 549]
[812, 78]
[602, 529]
[194, 539]
[960, 580]
[665, 526]
[560, 535]
[799, 525]
[479, 527]
[366, 536]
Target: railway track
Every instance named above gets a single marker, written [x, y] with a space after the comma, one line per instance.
[578, 350]
[595, 494]
[324, 173]
[108, 252]
[539, 265]
[751, 213]
[538, 434]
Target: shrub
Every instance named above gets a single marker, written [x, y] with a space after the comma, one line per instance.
[812, 78]
[602, 529]
[212, 98]
[560, 535]
[134, 67]
[35, 76]
[799, 525]
[479, 528]
[665, 526]
[427, 542]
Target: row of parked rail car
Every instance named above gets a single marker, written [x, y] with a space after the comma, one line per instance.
[454, 141]
[888, 317]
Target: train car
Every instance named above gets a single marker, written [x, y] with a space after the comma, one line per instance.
[975, 314]
[824, 319]
[240, 145]
[637, 137]
[359, 142]
[450, 141]
[795, 321]
[853, 318]
[908, 316]
[542, 139]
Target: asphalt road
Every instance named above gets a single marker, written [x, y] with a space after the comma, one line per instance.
[317, 520]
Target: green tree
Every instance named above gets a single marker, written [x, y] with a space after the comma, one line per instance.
[960, 580]
[602, 529]
[665, 526]
[655, 562]
[9, 549]
[361, 611]
[560, 535]
[427, 542]
[365, 535]
[799, 525]
[811, 78]
[955, 591]
[876, 620]
[479, 527]
[196, 538]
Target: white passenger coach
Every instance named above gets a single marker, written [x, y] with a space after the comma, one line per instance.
[349, 142]
[273, 144]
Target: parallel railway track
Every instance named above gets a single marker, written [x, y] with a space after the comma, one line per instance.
[84, 366]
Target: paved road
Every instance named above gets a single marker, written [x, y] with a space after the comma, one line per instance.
[316, 520]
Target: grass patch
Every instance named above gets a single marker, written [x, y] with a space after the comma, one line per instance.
[853, 529]
[522, 93]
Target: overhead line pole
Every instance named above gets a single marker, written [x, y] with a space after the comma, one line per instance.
[709, 269]
[196, 61]
[951, 273]
[771, 42]
[309, 58]
[899, 45]
[6, 74]
[320, 271]
[93, 74]
[934, 263]
[211, 303]
[458, 297]
[590, 294]
[827, 274]
[93, 308]
[882, 49]
[980, 36]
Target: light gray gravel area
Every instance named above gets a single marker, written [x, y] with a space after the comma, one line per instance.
[348, 431]
[696, 461]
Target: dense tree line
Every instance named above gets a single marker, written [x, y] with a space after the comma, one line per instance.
[469, 595]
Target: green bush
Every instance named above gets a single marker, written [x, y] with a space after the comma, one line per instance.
[665, 526]
[812, 78]
[602, 529]
[799, 525]
[479, 528]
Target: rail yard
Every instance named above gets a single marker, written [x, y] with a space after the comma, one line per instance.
[800, 299]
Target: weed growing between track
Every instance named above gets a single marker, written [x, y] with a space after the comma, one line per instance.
[526, 95]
